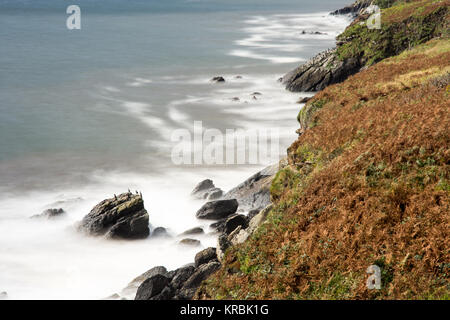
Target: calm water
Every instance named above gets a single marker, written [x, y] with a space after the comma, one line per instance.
[88, 113]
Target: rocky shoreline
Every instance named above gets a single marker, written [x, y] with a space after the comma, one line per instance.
[327, 67]
[235, 215]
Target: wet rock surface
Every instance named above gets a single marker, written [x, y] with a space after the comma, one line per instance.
[205, 256]
[324, 69]
[217, 209]
[121, 217]
[50, 214]
[206, 190]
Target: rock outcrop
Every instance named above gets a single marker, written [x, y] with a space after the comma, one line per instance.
[178, 284]
[121, 217]
[354, 9]
[254, 193]
[324, 69]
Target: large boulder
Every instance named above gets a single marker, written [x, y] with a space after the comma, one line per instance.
[218, 209]
[122, 217]
[191, 285]
[132, 287]
[151, 287]
[205, 256]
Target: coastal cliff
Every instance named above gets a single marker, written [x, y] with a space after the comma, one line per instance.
[367, 180]
[403, 26]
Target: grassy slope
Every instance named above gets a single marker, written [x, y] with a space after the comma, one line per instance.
[367, 183]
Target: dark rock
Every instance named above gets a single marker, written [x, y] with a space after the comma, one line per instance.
[205, 256]
[114, 296]
[235, 221]
[256, 94]
[151, 287]
[218, 79]
[160, 232]
[3, 295]
[190, 242]
[201, 274]
[121, 217]
[235, 99]
[238, 77]
[197, 230]
[218, 209]
[219, 226]
[50, 214]
[181, 276]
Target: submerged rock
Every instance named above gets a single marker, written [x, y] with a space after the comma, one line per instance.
[196, 230]
[218, 79]
[218, 209]
[3, 295]
[50, 214]
[190, 242]
[121, 217]
[181, 275]
[160, 232]
[355, 9]
[304, 100]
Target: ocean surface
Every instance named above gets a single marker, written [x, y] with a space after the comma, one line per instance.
[85, 114]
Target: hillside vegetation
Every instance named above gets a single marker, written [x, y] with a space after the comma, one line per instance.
[367, 182]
